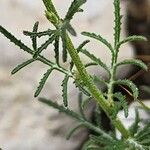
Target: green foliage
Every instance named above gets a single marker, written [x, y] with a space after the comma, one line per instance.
[43, 81]
[24, 64]
[14, 40]
[44, 46]
[118, 17]
[130, 85]
[56, 49]
[99, 38]
[110, 102]
[136, 62]
[102, 143]
[130, 39]
[74, 8]
[135, 126]
[34, 39]
[122, 103]
[96, 60]
[65, 93]
[63, 37]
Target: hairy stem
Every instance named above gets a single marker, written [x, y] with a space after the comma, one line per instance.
[96, 93]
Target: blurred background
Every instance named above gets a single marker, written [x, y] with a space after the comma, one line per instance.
[26, 124]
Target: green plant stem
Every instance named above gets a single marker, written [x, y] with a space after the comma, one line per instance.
[96, 93]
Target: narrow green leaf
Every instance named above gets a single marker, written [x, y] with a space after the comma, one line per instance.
[64, 52]
[43, 81]
[82, 45]
[56, 49]
[87, 144]
[72, 131]
[131, 39]
[98, 116]
[14, 40]
[117, 28]
[144, 135]
[90, 64]
[146, 141]
[43, 46]
[81, 88]
[80, 101]
[116, 110]
[34, 39]
[99, 38]
[101, 140]
[96, 60]
[131, 85]
[24, 64]
[100, 80]
[74, 8]
[65, 88]
[143, 132]
[86, 102]
[136, 62]
[39, 34]
[74, 115]
[61, 108]
[71, 30]
[123, 102]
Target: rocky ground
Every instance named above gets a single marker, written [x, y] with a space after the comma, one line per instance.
[26, 124]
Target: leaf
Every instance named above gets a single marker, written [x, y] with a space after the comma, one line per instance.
[34, 39]
[14, 40]
[56, 49]
[80, 101]
[90, 64]
[24, 64]
[116, 109]
[99, 38]
[71, 30]
[74, 8]
[96, 60]
[136, 62]
[117, 28]
[82, 45]
[72, 131]
[100, 140]
[62, 109]
[86, 102]
[100, 80]
[81, 88]
[39, 34]
[43, 46]
[130, 39]
[50, 7]
[65, 93]
[74, 115]
[123, 102]
[143, 133]
[135, 126]
[64, 53]
[43, 81]
[98, 116]
[131, 85]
